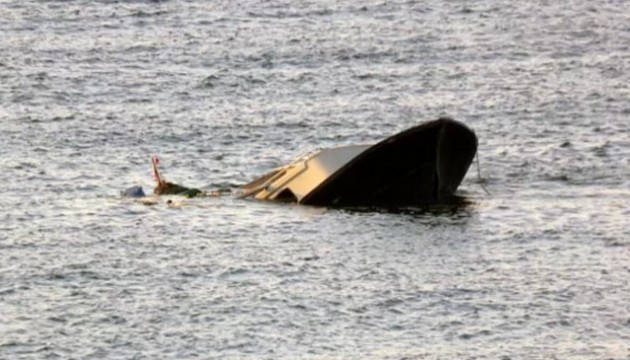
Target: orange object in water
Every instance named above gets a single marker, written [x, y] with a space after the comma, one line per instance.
[155, 160]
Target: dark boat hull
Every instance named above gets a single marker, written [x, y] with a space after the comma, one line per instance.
[420, 165]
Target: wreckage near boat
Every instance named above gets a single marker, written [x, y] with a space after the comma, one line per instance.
[421, 165]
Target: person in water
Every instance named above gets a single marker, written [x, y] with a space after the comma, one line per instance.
[168, 188]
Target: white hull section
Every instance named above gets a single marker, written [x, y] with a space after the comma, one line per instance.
[294, 181]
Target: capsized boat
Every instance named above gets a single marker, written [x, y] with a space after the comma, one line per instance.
[420, 165]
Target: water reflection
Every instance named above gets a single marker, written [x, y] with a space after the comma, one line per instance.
[456, 207]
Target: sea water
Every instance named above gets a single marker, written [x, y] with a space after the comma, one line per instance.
[537, 267]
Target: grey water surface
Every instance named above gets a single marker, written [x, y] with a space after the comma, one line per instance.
[537, 268]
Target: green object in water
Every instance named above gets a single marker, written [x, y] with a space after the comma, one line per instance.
[192, 192]
[168, 188]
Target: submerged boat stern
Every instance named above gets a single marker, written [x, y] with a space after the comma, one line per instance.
[420, 165]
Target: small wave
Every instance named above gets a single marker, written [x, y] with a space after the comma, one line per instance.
[209, 81]
[141, 49]
[230, 81]
[9, 291]
[283, 14]
[145, 14]
[231, 272]
[113, 319]
[468, 336]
